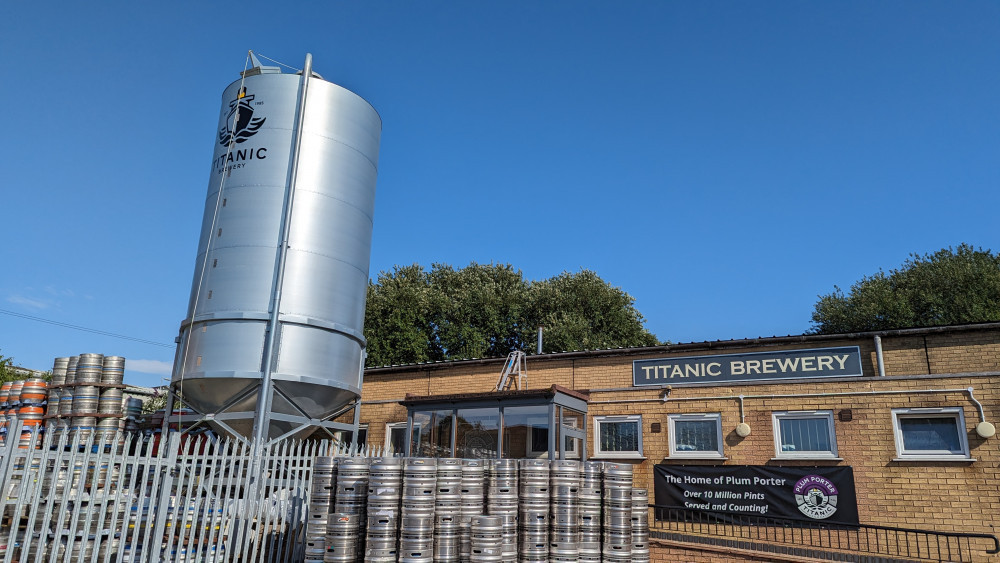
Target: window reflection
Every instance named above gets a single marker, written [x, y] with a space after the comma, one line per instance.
[477, 432]
[435, 439]
[526, 431]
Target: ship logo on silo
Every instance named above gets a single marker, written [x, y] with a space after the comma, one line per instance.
[240, 123]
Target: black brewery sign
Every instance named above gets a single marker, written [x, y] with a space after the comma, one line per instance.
[811, 493]
[783, 364]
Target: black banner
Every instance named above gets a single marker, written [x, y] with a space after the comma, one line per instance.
[754, 366]
[814, 493]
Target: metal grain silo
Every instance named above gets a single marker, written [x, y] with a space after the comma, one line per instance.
[274, 329]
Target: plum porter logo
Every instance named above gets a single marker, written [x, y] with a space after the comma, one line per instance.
[240, 123]
[816, 496]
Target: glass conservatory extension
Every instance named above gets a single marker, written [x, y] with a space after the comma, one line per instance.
[544, 423]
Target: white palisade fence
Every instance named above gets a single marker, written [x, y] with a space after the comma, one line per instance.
[127, 498]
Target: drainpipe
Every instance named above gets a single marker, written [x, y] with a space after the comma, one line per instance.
[878, 356]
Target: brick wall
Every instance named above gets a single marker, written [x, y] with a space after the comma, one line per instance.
[945, 496]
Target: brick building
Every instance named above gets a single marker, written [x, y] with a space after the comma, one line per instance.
[910, 412]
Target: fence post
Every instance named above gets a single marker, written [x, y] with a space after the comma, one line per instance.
[166, 465]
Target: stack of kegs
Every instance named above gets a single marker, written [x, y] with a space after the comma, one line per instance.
[380, 543]
[590, 512]
[487, 539]
[424, 510]
[56, 424]
[86, 394]
[12, 406]
[640, 525]
[501, 497]
[565, 516]
[416, 526]
[66, 393]
[447, 508]
[8, 412]
[27, 398]
[617, 512]
[416, 539]
[534, 515]
[110, 402]
[474, 480]
[446, 542]
[509, 545]
[385, 482]
[7, 419]
[321, 493]
[343, 536]
[4, 398]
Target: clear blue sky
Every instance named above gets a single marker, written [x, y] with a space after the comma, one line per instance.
[723, 162]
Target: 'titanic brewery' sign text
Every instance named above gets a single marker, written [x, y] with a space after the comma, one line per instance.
[784, 364]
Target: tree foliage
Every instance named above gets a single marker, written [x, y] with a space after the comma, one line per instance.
[154, 403]
[582, 312]
[7, 370]
[488, 310]
[950, 286]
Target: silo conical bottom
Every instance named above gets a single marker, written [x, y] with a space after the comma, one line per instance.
[208, 395]
[317, 401]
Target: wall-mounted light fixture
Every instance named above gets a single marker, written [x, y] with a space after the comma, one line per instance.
[986, 429]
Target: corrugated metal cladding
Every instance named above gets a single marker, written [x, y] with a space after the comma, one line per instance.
[319, 343]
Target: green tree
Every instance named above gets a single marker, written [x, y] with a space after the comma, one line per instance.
[9, 370]
[481, 309]
[581, 311]
[950, 286]
[399, 318]
[155, 403]
[487, 310]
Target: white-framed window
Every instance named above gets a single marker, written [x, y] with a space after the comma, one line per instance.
[395, 437]
[618, 437]
[695, 435]
[930, 433]
[346, 436]
[538, 439]
[804, 434]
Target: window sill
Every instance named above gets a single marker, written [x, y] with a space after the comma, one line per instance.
[807, 458]
[953, 459]
[696, 458]
[618, 456]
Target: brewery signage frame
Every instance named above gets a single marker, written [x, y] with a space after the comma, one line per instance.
[812, 494]
[843, 361]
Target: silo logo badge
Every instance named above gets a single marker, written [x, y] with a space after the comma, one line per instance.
[816, 496]
[240, 123]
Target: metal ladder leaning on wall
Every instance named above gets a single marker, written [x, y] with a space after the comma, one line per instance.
[514, 367]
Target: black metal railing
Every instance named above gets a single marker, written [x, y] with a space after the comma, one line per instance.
[816, 539]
